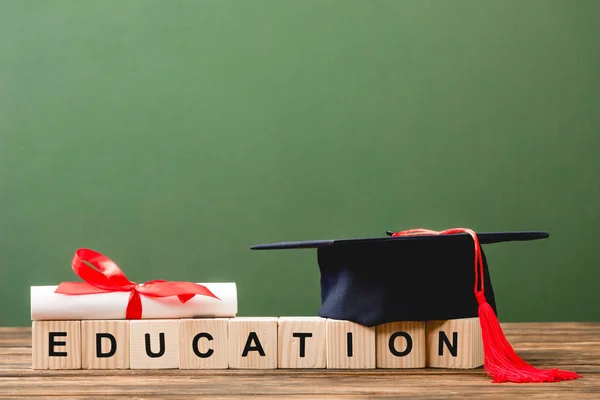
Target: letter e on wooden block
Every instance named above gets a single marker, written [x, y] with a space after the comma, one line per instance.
[56, 345]
[302, 342]
[105, 344]
[401, 345]
[154, 344]
[350, 345]
[253, 343]
[203, 343]
[454, 343]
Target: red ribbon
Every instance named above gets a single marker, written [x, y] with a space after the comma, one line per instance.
[108, 277]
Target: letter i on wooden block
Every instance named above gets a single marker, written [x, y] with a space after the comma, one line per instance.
[105, 344]
[302, 342]
[154, 344]
[203, 343]
[454, 343]
[401, 345]
[350, 345]
[56, 344]
[253, 343]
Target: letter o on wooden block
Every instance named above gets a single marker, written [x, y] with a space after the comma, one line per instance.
[154, 344]
[302, 342]
[454, 343]
[56, 345]
[350, 345]
[203, 343]
[253, 343]
[401, 345]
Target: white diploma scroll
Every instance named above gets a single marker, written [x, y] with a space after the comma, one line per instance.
[47, 305]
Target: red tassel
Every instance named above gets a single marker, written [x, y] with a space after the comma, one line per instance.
[501, 362]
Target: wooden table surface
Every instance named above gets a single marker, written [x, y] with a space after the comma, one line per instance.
[573, 346]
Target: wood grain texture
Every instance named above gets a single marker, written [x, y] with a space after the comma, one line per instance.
[56, 344]
[572, 346]
[162, 349]
[297, 350]
[207, 337]
[350, 345]
[253, 343]
[407, 339]
[119, 330]
[462, 336]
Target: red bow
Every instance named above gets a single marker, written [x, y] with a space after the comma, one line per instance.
[108, 277]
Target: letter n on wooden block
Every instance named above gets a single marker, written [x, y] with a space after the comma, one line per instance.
[454, 343]
[253, 343]
[203, 343]
[401, 345]
[350, 345]
[154, 344]
[302, 342]
[56, 344]
[105, 344]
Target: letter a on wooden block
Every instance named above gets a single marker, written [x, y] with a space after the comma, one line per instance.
[154, 344]
[105, 344]
[203, 343]
[56, 345]
[454, 343]
[302, 342]
[401, 345]
[253, 343]
[350, 345]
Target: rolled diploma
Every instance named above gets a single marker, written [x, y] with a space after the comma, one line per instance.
[47, 305]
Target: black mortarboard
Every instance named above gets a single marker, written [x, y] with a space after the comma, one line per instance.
[373, 281]
[421, 275]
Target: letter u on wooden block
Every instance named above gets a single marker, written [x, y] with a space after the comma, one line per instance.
[154, 344]
[56, 345]
[203, 343]
[454, 343]
[105, 344]
[302, 342]
[350, 345]
[401, 345]
[253, 343]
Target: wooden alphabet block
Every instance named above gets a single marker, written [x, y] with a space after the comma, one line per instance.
[154, 344]
[302, 342]
[56, 344]
[203, 343]
[105, 344]
[350, 345]
[454, 343]
[401, 345]
[253, 343]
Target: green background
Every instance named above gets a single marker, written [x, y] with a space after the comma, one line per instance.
[173, 135]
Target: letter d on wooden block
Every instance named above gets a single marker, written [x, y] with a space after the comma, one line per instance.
[350, 345]
[105, 344]
[154, 344]
[302, 342]
[253, 343]
[56, 345]
[454, 343]
[203, 343]
[401, 345]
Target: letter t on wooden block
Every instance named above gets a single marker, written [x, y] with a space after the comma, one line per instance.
[350, 345]
[454, 343]
[154, 344]
[253, 343]
[203, 343]
[302, 342]
[105, 344]
[56, 345]
[401, 345]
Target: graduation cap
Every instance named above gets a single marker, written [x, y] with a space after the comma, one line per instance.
[420, 275]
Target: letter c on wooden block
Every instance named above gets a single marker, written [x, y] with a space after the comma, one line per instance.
[401, 345]
[154, 344]
[203, 343]
[454, 343]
